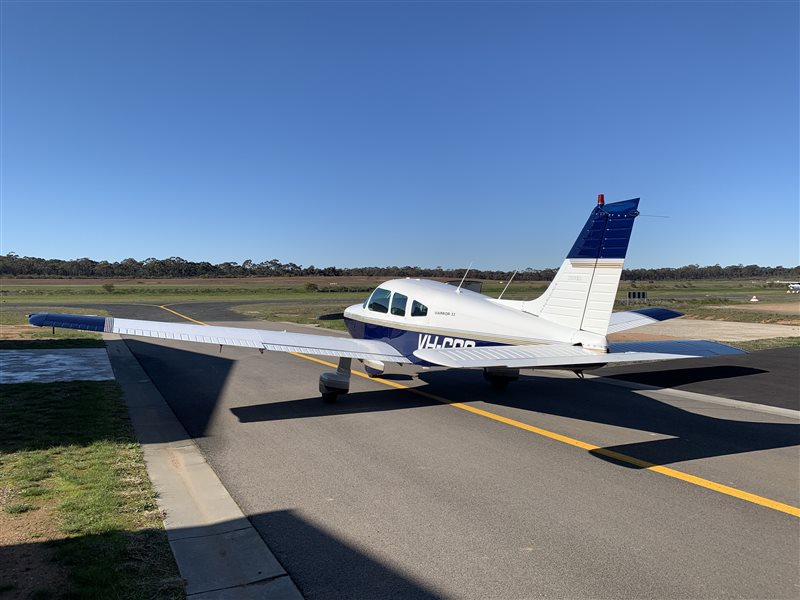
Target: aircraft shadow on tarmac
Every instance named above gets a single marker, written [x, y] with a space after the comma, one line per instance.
[179, 373]
[353, 403]
[692, 436]
[673, 378]
[321, 564]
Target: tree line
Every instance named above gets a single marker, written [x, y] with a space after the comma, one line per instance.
[12, 265]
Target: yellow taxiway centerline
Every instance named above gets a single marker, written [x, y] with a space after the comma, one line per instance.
[618, 456]
[175, 312]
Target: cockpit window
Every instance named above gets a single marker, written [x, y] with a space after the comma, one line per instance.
[418, 310]
[379, 301]
[399, 304]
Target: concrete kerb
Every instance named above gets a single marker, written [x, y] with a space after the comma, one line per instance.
[218, 552]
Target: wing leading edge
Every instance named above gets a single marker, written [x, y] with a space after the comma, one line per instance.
[277, 341]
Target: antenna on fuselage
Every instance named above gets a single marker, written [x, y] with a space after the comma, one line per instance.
[508, 284]
[458, 289]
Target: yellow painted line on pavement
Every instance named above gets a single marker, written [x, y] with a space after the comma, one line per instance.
[175, 312]
[618, 456]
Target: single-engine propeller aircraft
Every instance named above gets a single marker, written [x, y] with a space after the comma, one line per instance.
[794, 286]
[428, 323]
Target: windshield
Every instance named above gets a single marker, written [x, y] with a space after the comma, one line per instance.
[379, 301]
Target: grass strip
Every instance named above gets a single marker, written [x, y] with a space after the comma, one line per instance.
[69, 448]
[767, 344]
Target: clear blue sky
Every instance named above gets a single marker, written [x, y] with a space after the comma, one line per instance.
[380, 133]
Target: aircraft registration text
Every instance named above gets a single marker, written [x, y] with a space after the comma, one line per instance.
[435, 341]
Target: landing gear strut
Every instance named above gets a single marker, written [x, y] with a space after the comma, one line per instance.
[334, 383]
[500, 377]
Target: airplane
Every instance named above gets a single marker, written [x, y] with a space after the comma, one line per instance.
[794, 286]
[430, 323]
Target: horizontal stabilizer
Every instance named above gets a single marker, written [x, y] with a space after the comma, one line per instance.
[278, 341]
[630, 319]
[561, 355]
[694, 348]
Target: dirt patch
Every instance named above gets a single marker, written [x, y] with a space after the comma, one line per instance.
[638, 336]
[17, 332]
[784, 308]
[721, 331]
[27, 560]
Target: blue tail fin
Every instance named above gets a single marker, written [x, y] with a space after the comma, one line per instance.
[607, 232]
[582, 294]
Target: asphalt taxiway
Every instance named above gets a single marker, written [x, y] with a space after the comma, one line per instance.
[429, 483]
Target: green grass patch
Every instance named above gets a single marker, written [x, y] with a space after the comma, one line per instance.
[768, 344]
[722, 313]
[19, 508]
[15, 314]
[70, 446]
[161, 294]
[64, 335]
[14, 328]
[515, 291]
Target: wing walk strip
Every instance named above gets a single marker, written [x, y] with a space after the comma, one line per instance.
[618, 456]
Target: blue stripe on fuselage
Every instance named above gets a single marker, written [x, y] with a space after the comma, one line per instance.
[406, 342]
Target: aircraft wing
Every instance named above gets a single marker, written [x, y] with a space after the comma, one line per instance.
[279, 341]
[562, 355]
[629, 319]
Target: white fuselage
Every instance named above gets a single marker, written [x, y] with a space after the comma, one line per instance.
[455, 317]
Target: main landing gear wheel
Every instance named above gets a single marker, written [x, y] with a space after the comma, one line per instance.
[333, 384]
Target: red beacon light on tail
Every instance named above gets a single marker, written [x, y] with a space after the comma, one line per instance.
[601, 200]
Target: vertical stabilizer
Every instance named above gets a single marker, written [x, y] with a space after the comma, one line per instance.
[582, 294]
